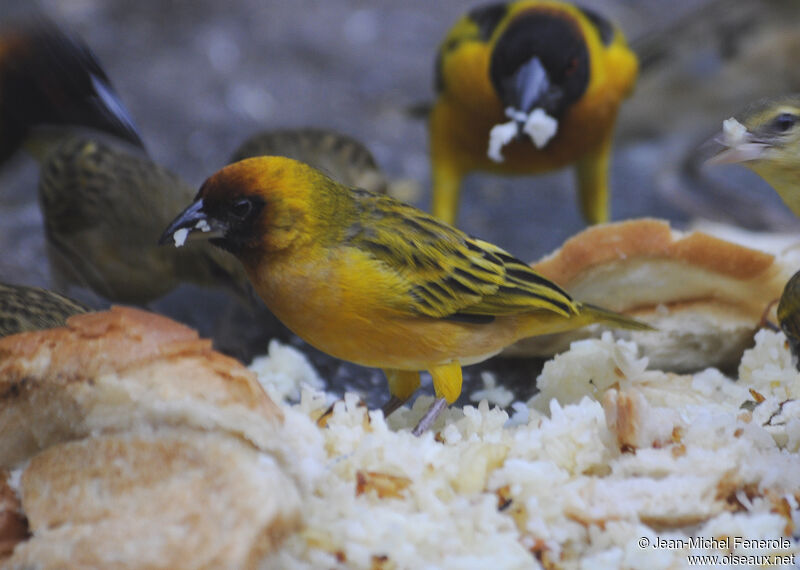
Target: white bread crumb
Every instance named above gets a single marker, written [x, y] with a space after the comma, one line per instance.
[180, 236]
[537, 124]
[733, 132]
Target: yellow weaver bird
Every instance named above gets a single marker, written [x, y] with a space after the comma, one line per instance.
[765, 138]
[527, 87]
[372, 280]
[50, 77]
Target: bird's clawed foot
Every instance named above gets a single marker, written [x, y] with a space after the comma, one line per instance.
[430, 416]
[392, 405]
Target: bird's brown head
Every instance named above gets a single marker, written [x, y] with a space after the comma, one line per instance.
[258, 205]
[49, 77]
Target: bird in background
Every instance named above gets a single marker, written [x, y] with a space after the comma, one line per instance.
[369, 279]
[765, 138]
[340, 156]
[25, 308]
[103, 202]
[789, 316]
[527, 87]
[49, 77]
[104, 208]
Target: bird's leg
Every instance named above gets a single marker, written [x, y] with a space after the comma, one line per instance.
[592, 176]
[765, 323]
[446, 190]
[447, 385]
[430, 416]
[391, 405]
[402, 384]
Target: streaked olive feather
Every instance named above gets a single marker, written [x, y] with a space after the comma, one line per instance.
[32, 308]
[789, 315]
[341, 157]
[453, 274]
[104, 210]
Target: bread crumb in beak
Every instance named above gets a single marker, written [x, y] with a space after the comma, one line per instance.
[180, 236]
[540, 127]
[733, 132]
[537, 124]
[500, 136]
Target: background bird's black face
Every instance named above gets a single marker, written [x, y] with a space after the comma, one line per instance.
[557, 41]
[240, 215]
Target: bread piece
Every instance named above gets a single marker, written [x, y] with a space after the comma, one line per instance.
[13, 524]
[138, 447]
[173, 498]
[121, 370]
[705, 295]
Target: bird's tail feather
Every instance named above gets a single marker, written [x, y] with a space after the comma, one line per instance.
[595, 314]
[550, 322]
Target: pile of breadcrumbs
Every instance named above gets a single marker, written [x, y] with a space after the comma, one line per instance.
[610, 465]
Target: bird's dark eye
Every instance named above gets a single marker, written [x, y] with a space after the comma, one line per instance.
[241, 208]
[784, 122]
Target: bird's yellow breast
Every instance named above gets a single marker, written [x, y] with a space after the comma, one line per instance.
[346, 304]
[784, 176]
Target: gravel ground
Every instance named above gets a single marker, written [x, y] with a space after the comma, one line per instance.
[201, 76]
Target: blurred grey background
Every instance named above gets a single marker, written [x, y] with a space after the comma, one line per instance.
[200, 76]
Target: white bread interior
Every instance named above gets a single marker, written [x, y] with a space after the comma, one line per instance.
[705, 295]
[138, 446]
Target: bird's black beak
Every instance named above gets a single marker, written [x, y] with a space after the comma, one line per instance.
[193, 223]
[104, 111]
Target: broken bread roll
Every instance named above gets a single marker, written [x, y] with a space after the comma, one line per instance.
[133, 444]
[705, 295]
[119, 370]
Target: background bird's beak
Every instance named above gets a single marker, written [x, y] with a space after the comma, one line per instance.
[193, 223]
[531, 84]
[745, 150]
[105, 111]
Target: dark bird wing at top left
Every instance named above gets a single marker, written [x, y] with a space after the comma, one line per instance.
[49, 77]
